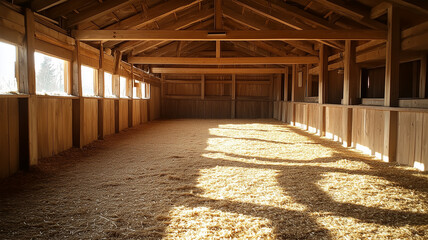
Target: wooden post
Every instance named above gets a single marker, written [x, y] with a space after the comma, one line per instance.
[286, 84]
[393, 49]
[350, 88]
[30, 109]
[293, 93]
[322, 88]
[116, 87]
[101, 93]
[423, 77]
[308, 81]
[202, 87]
[162, 98]
[233, 102]
[131, 97]
[78, 104]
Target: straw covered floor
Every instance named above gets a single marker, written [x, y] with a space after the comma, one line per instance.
[214, 179]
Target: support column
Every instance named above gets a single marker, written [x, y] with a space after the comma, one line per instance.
[393, 49]
[116, 87]
[308, 81]
[131, 98]
[322, 88]
[78, 104]
[101, 94]
[293, 93]
[350, 90]
[233, 102]
[423, 77]
[29, 117]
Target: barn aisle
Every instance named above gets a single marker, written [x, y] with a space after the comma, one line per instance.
[195, 179]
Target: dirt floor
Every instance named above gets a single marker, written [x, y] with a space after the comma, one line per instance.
[215, 179]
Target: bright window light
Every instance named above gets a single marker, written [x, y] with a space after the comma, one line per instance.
[8, 81]
[143, 90]
[108, 85]
[88, 81]
[123, 87]
[51, 74]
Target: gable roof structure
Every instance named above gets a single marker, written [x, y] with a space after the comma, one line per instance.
[156, 33]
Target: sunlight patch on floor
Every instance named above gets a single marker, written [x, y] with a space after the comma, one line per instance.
[207, 223]
[246, 185]
[369, 191]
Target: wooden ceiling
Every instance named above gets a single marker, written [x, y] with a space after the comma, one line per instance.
[242, 16]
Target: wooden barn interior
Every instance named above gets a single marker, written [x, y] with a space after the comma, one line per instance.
[83, 80]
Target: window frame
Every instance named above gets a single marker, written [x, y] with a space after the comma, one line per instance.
[68, 88]
[17, 68]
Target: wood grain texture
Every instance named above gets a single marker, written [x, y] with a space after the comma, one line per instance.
[54, 123]
[109, 117]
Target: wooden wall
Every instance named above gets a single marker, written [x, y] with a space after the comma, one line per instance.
[184, 98]
[367, 128]
[90, 122]
[9, 136]
[412, 142]
[54, 125]
[109, 117]
[123, 114]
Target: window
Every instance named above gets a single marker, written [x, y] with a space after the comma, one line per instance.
[51, 74]
[135, 89]
[89, 81]
[8, 70]
[143, 90]
[108, 85]
[123, 87]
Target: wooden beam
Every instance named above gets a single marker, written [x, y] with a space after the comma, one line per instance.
[379, 10]
[202, 35]
[183, 22]
[253, 24]
[218, 15]
[154, 14]
[147, 45]
[219, 70]
[223, 61]
[352, 12]
[40, 5]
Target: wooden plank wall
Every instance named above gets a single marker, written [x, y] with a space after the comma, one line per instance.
[54, 125]
[368, 131]
[412, 139]
[90, 123]
[9, 136]
[123, 114]
[333, 123]
[182, 98]
[154, 103]
[109, 117]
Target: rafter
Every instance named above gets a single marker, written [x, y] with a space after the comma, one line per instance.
[147, 45]
[153, 14]
[94, 13]
[355, 13]
[223, 61]
[182, 23]
[264, 9]
[237, 17]
[40, 5]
